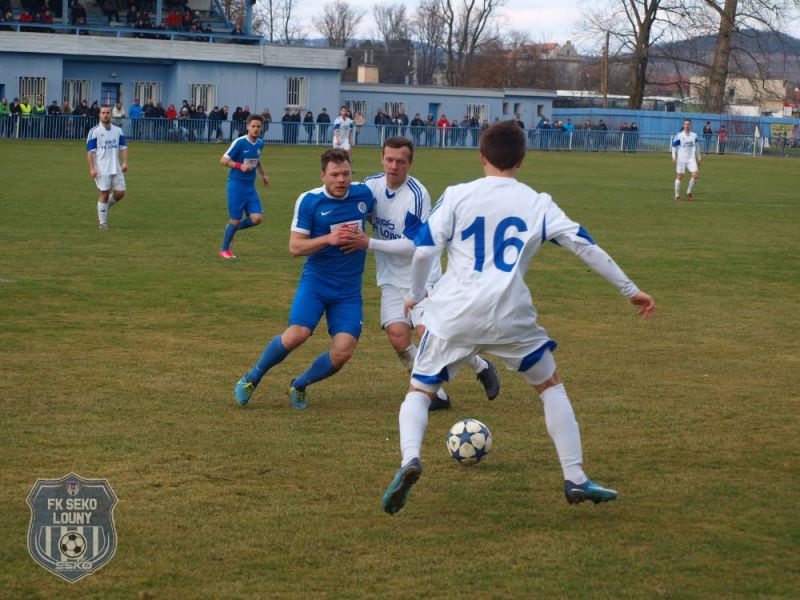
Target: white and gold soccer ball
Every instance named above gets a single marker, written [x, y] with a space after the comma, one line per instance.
[468, 441]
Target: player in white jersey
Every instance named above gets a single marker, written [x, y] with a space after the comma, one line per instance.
[343, 130]
[107, 154]
[402, 206]
[685, 155]
[491, 228]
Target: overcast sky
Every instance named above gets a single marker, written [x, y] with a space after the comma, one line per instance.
[542, 20]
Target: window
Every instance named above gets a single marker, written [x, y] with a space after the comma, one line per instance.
[517, 107]
[393, 108]
[505, 108]
[296, 92]
[33, 88]
[76, 90]
[540, 110]
[203, 94]
[478, 110]
[357, 106]
[147, 90]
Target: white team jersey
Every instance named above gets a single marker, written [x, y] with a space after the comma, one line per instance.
[341, 131]
[397, 213]
[106, 143]
[684, 146]
[491, 228]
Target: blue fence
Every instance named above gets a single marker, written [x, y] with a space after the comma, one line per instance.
[205, 131]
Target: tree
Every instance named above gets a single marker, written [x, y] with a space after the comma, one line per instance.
[631, 25]
[392, 22]
[737, 27]
[275, 20]
[428, 29]
[338, 23]
[465, 27]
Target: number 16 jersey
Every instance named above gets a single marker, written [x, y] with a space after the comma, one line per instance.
[491, 228]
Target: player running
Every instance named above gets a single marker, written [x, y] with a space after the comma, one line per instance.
[402, 204]
[491, 228]
[105, 146]
[243, 157]
[343, 131]
[685, 155]
[325, 219]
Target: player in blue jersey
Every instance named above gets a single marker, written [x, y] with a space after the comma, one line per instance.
[491, 228]
[325, 219]
[107, 154]
[244, 160]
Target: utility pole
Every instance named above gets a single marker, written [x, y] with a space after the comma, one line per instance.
[605, 71]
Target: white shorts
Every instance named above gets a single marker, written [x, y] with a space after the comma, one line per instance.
[110, 182]
[681, 166]
[439, 360]
[345, 145]
[392, 304]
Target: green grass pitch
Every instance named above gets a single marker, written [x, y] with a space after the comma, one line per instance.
[120, 349]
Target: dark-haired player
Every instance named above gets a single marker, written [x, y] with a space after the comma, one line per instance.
[325, 219]
[491, 228]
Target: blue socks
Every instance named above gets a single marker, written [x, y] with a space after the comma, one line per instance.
[273, 354]
[230, 231]
[245, 223]
[228, 237]
[320, 369]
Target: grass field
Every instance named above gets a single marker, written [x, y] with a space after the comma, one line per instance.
[120, 350]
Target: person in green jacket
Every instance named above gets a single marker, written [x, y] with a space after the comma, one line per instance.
[38, 111]
[5, 121]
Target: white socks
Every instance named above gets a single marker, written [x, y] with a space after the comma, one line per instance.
[111, 200]
[563, 430]
[477, 364]
[691, 185]
[413, 422]
[677, 193]
[102, 213]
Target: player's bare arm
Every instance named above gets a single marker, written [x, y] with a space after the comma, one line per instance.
[232, 164]
[123, 154]
[90, 159]
[300, 244]
[262, 173]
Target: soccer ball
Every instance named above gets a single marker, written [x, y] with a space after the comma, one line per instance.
[469, 441]
[72, 544]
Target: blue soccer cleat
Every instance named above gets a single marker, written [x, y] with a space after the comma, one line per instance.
[588, 490]
[395, 496]
[243, 391]
[297, 397]
[490, 381]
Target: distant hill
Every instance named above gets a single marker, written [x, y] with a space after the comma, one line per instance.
[771, 54]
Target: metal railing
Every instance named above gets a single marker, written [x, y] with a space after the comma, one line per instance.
[205, 131]
[121, 31]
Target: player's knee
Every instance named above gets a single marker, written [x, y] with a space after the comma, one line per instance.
[340, 356]
[294, 336]
[399, 337]
[256, 219]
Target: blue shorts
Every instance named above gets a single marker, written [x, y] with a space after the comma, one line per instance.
[343, 309]
[242, 199]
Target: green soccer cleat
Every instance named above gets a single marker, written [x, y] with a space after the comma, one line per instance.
[243, 391]
[297, 398]
[588, 490]
[397, 493]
